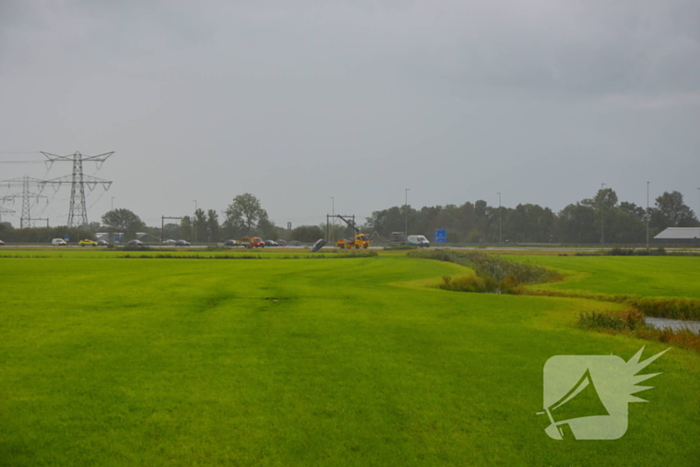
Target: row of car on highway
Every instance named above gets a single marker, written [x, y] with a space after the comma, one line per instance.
[255, 242]
[84, 242]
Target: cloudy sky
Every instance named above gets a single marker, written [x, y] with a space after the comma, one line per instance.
[300, 101]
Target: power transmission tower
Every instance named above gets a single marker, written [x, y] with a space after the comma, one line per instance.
[25, 219]
[77, 214]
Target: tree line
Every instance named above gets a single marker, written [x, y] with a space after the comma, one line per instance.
[592, 220]
[601, 218]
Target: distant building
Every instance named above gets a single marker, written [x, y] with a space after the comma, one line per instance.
[684, 235]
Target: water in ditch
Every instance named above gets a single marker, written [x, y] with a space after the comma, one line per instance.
[675, 324]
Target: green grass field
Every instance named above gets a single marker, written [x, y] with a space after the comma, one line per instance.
[298, 362]
[641, 276]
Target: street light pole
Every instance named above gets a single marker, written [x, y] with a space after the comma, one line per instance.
[333, 214]
[500, 221]
[647, 216]
[194, 220]
[405, 206]
[602, 218]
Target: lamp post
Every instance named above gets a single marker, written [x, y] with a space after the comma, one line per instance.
[500, 221]
[647, 216]
[333, 214]
[194, 220]
[405, 206]
[602, 218]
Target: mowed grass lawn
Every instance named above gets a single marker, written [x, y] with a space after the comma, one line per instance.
[642, 276]
[144, 362]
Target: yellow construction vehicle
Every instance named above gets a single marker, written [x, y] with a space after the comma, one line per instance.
[359, 241]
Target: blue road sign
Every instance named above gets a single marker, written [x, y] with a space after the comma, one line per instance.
[440, 235]
[66, 237]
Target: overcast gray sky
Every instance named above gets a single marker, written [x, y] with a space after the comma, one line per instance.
[298, 101]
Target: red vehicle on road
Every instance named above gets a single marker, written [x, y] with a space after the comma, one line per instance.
[253, 242]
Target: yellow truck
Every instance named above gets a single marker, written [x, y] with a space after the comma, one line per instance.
[360, 241]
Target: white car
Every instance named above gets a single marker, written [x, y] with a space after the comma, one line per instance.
[58, 242]
[418, 240]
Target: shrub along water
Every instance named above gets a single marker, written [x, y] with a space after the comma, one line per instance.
[494, 274]
[629, 320]
[632, 323]
[675, 308]
[470, 284]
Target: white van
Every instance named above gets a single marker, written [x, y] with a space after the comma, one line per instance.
[417, 240]
[58, 242]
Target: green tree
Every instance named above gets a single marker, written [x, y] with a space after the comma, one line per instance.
[199, 223]
[633, 209]
[171, 231]
[671, 211]
[385, 221]
[123, 221]
[212, 225]
[577, 224]
[245, 213]
[267, 229]
[186, 228]
[606, 198]
[307, 233]
[623, 226]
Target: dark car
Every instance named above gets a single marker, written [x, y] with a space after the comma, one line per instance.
[318, 245]
[182, 243]
[231, 243]
[136, 243]
[102, 243]
[271, 243]
[282, 242]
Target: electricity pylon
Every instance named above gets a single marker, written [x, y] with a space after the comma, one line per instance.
[77, 214]
[26, 217]
[25, 220]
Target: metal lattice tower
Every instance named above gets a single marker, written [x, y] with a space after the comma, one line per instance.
[77, 214]
[81, 211]
[26, 218]
[26, 214]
